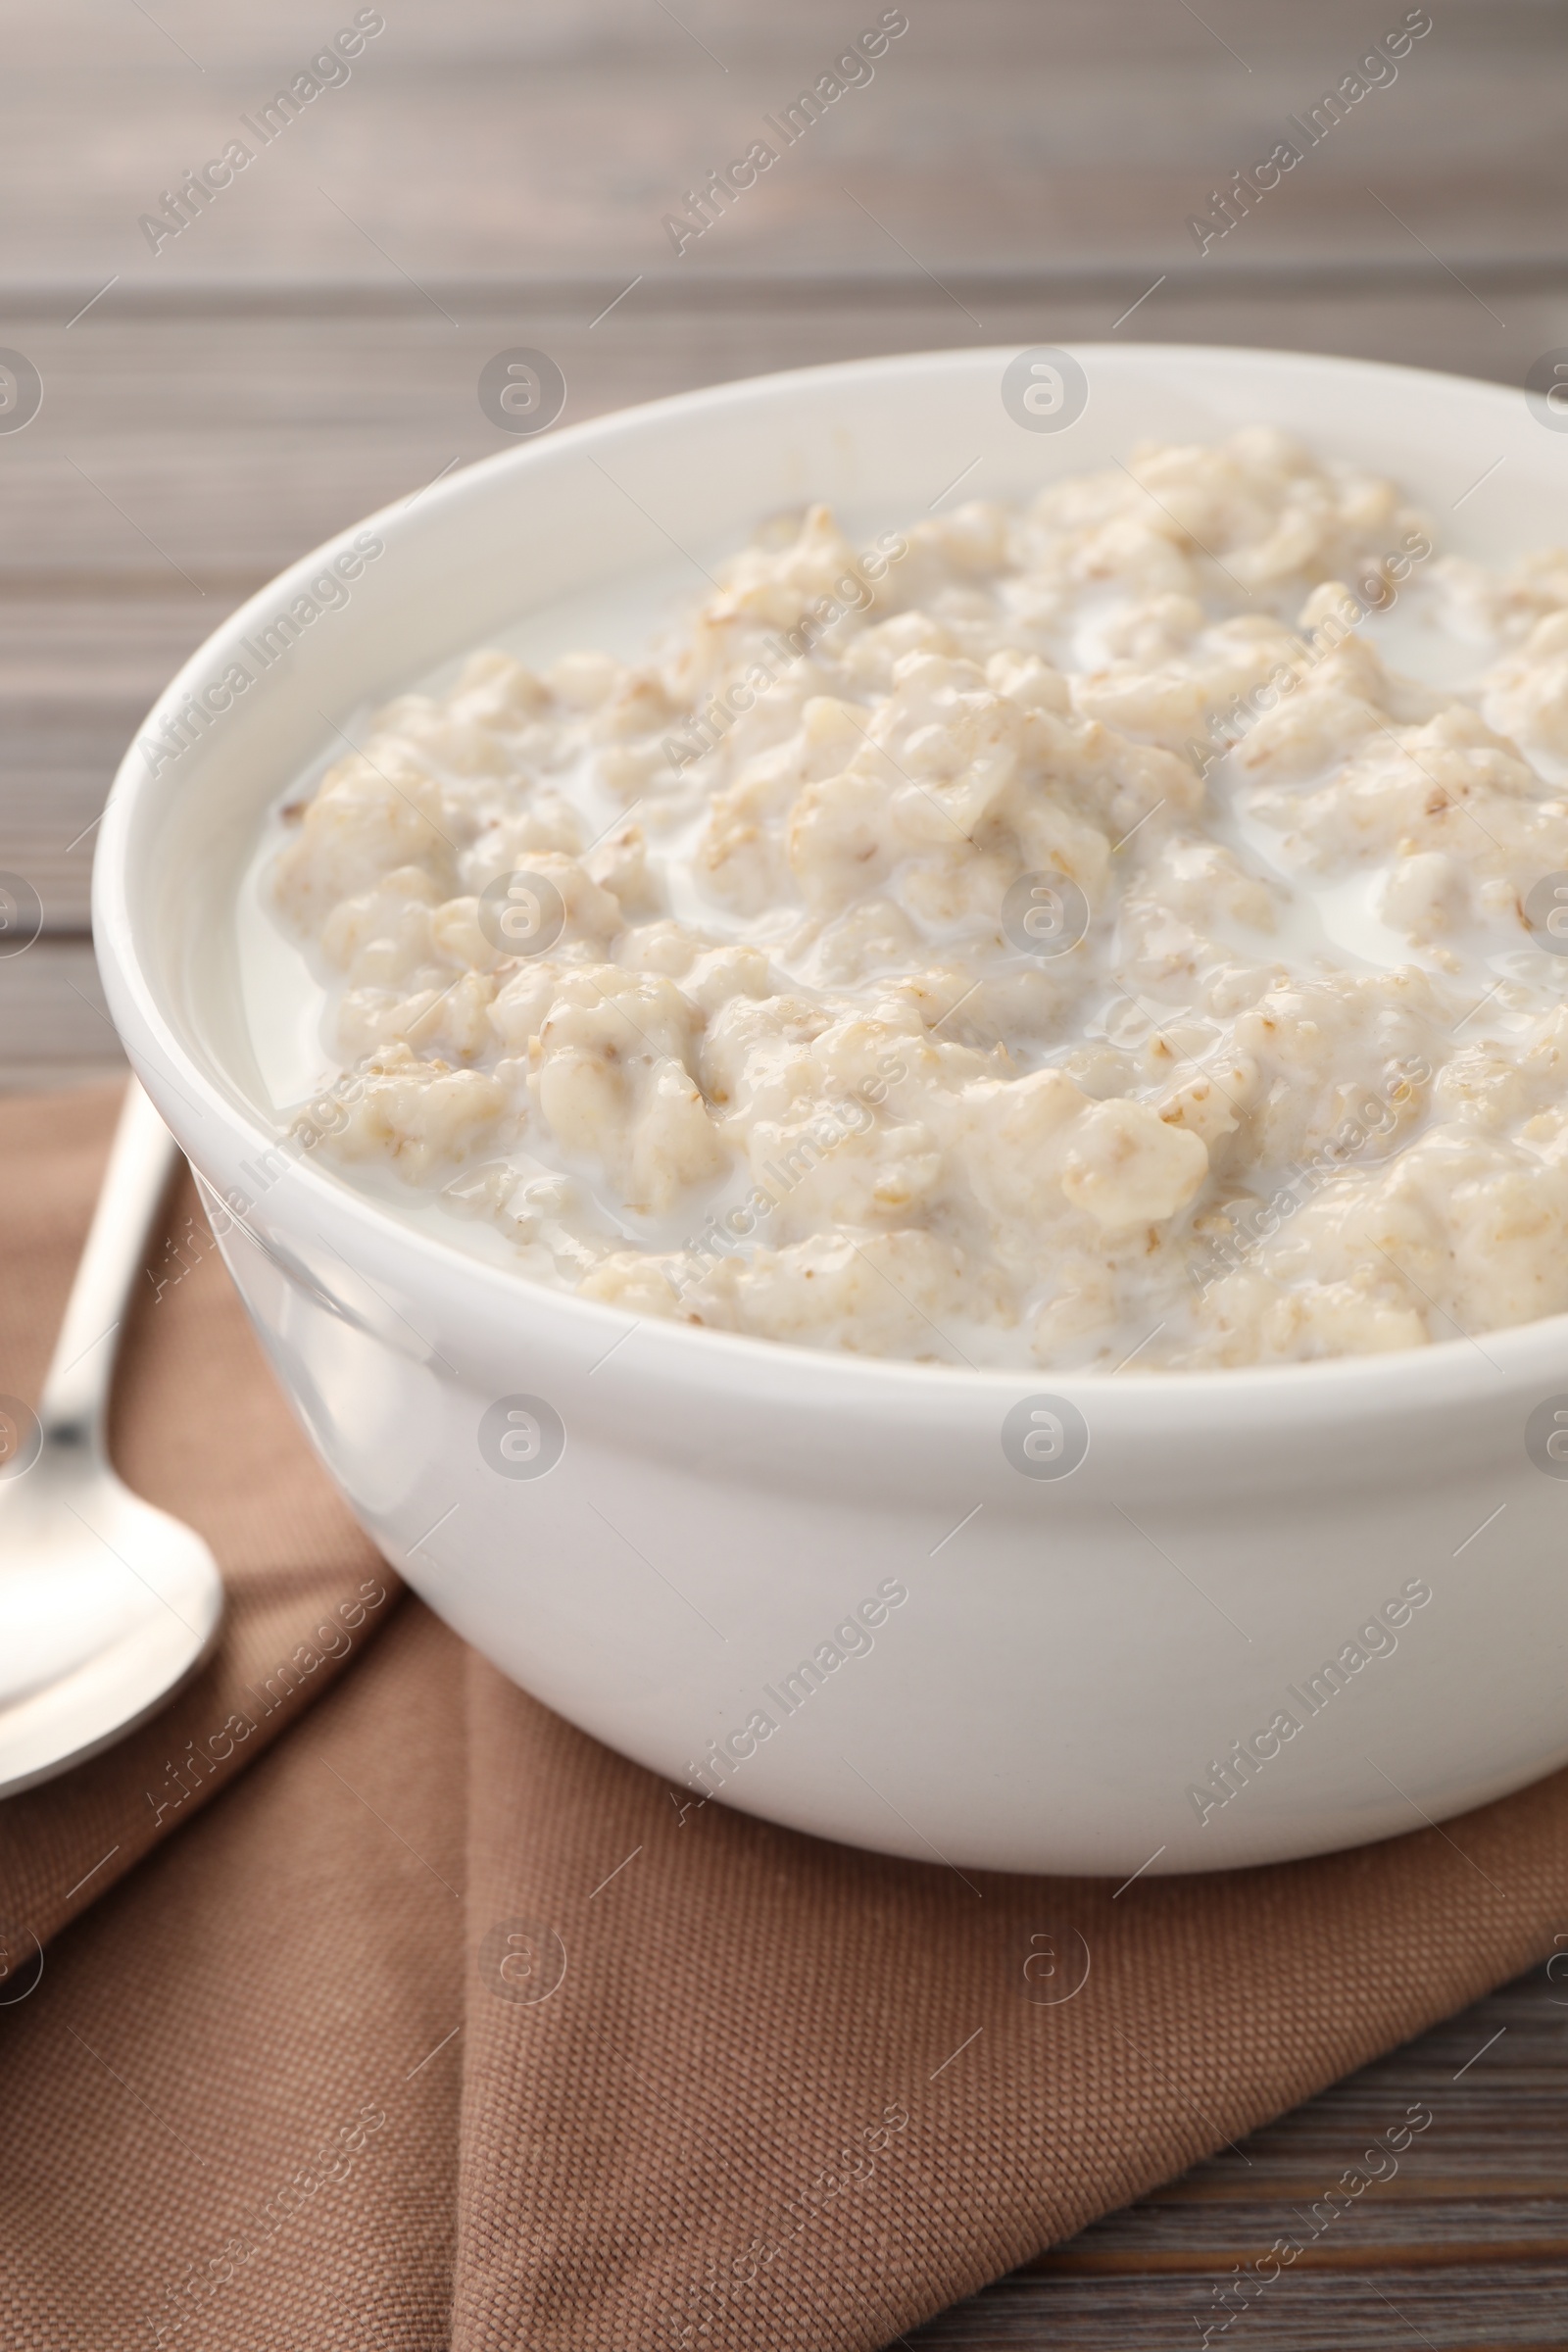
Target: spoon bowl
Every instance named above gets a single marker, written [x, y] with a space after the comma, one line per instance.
[107, 1604]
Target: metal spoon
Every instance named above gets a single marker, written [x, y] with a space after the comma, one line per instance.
[107, 1606]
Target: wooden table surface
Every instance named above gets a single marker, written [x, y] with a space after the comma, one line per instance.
[1017, 172]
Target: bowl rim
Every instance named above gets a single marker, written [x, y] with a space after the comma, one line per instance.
[1318, 1390]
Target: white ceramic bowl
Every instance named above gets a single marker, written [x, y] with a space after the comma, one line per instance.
[1074, 1655]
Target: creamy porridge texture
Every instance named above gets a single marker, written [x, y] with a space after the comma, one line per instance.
[1042, 937]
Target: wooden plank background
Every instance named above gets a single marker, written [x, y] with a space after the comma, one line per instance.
[1017, 172]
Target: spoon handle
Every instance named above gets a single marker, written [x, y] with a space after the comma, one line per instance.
[75, 1393]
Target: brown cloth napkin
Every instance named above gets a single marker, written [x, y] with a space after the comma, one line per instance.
[446, 2025]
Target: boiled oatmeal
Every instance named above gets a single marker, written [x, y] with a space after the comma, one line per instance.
[1050, 936]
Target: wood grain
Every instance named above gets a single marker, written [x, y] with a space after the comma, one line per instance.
[1466, 2247]
[1017, 172]
[995, 130]
[55, 1028]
